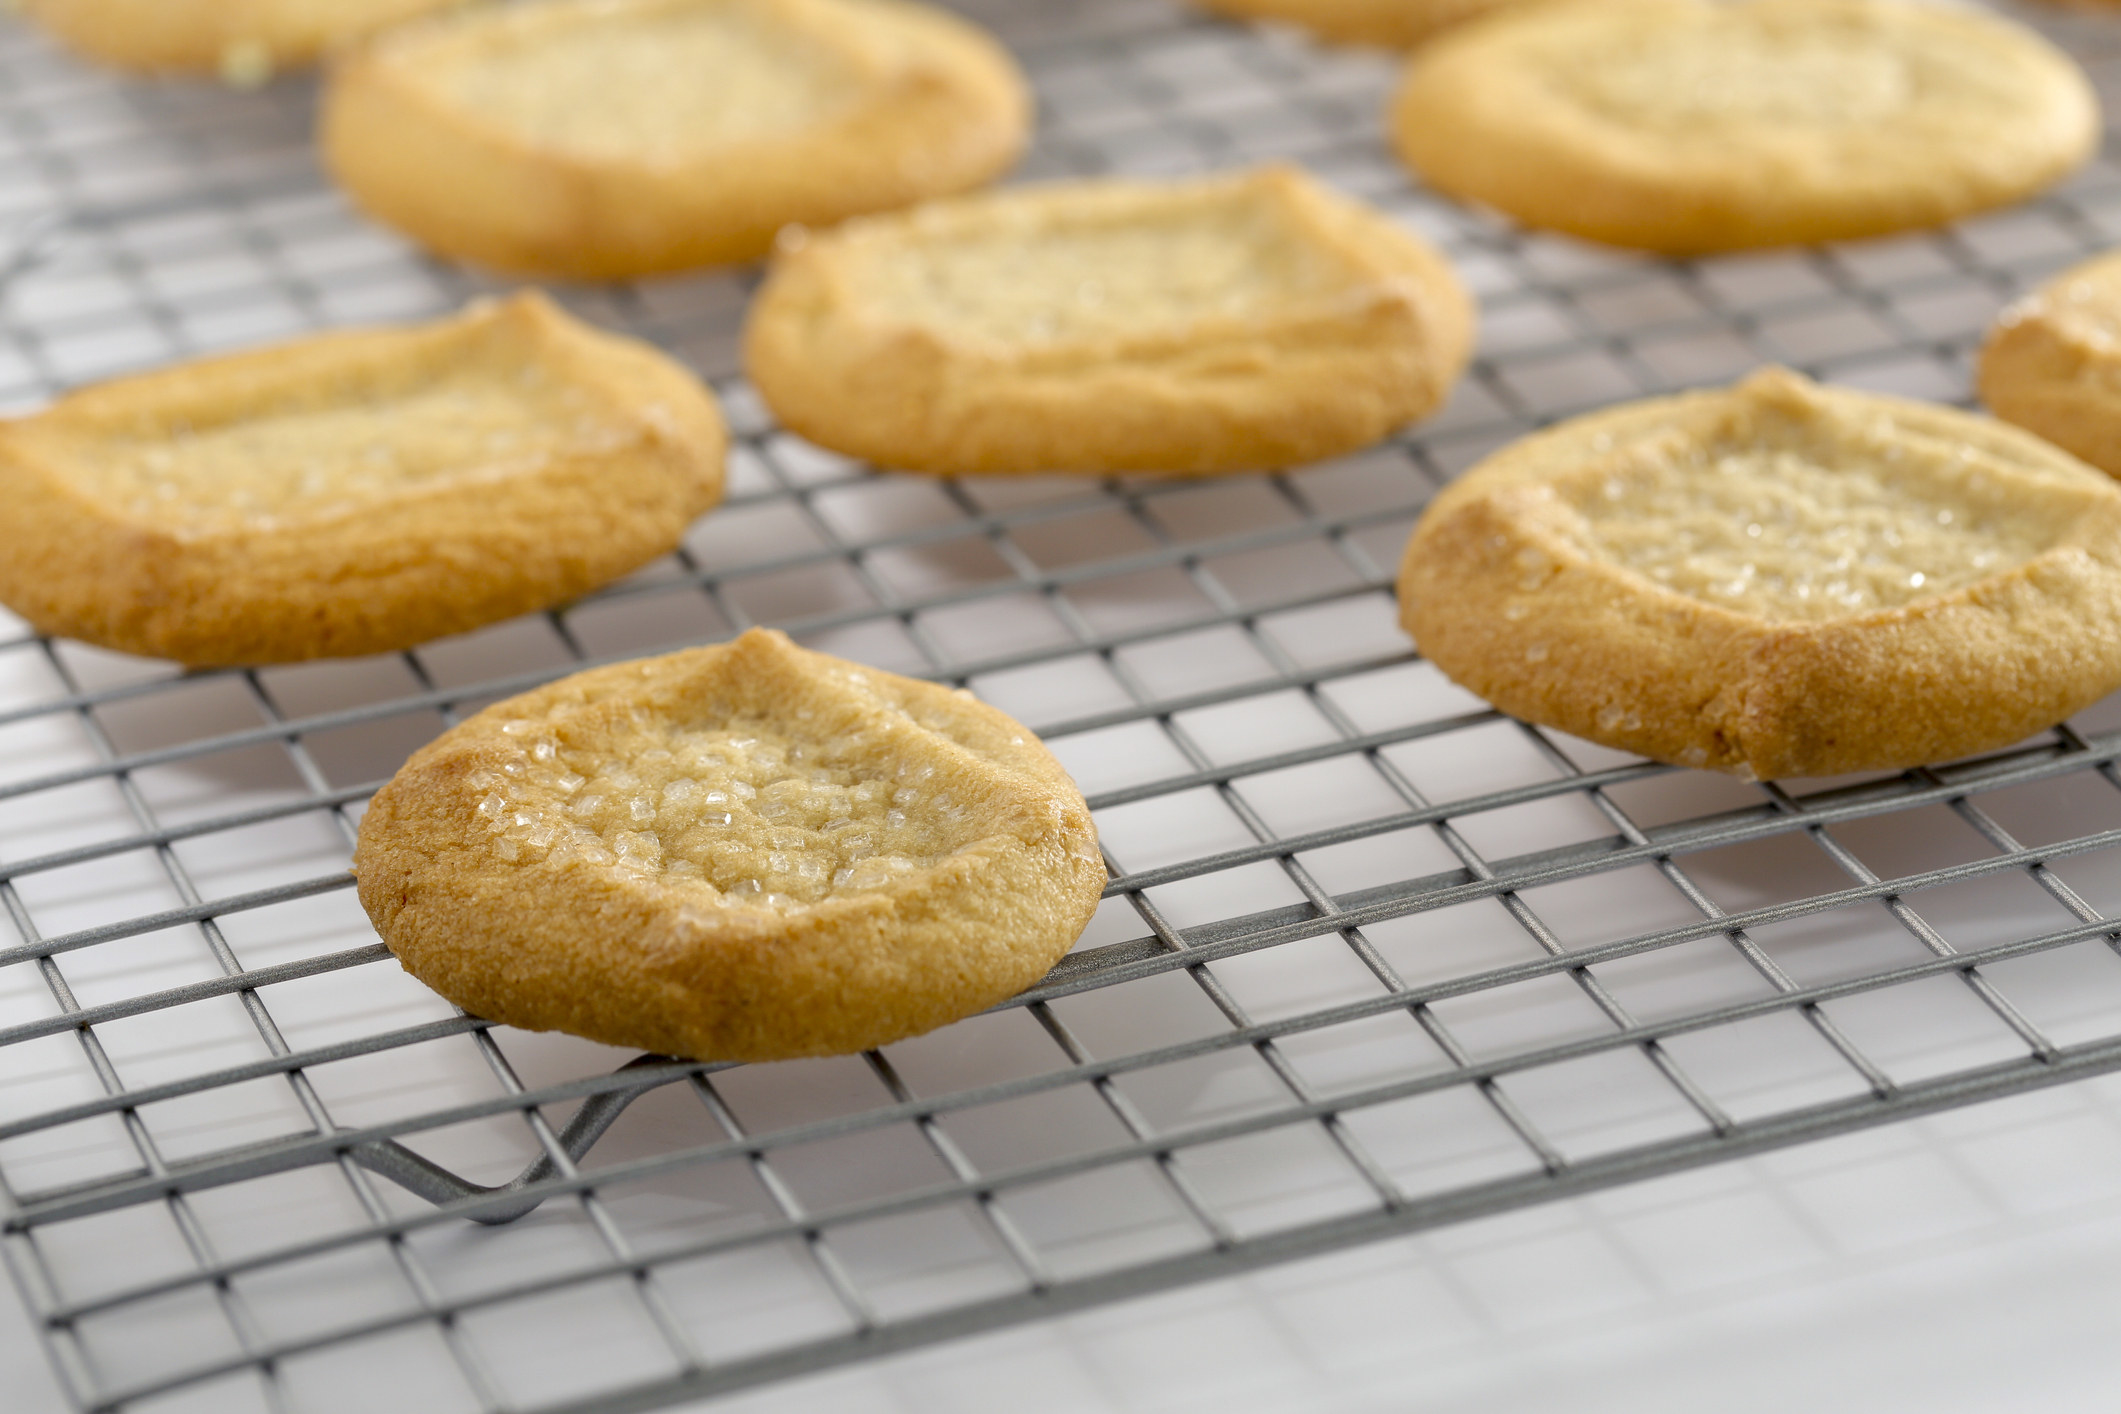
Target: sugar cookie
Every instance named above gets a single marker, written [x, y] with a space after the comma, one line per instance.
[2052, 364]
[1776, 580]
[1220, 324]
[602, 139]
[242, 40]
[1394, 24]
[353, 492]
[1689, 125]
[744, 852]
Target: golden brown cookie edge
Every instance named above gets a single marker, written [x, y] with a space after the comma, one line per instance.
[2035, 372]
[1630, 665]
[175, 37]
[1273, 394]
[1387, 24]
[472, 191]
[564, 949]
[389, 577]
[1478, 136]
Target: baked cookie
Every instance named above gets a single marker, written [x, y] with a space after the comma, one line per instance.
[1691, 125]
[1393, 24]
[242, 40]
[1219, 324]
[744, 852]
[2052, 363]
[602, 139]
[1776, 580]
[353, 492]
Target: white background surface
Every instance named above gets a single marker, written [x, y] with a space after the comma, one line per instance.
[1960, 1263]
[1964, 1264]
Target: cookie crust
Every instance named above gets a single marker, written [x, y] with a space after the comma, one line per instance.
[1504, 589]
[1223, 324]
[1687, 126]
[568, 931]
[2052, 363]
[243, 39]
[353, 492]
[467, 133]
[1389, 24]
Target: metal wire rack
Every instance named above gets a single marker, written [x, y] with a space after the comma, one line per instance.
[1373, 958]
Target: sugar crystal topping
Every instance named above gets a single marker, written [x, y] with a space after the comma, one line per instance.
[1798, 529]
[1734, 74]
[656, 83]
[742, 813]
[322, 454]
[1240, 256]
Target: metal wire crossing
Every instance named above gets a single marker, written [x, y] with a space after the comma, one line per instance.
[1372, 958]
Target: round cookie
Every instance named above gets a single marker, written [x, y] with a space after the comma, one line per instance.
[242, 40]
[743, 852]
[1689, 126]
[1776, 580]
[1392, 24]
[1215, 324]
[604, 139]
[353, 492]
[2052, 363]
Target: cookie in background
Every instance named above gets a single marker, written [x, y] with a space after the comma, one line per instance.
[244, 41]
[1776, 579]
[606, 139]
[1228, 323]
[2052, 363]
[1690, 126]
[742, 852]
[1391, 24]
[353, 492]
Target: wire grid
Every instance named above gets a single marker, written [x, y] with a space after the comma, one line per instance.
[1373, 957]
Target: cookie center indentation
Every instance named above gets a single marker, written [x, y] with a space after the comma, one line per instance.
[655, 84]
[1032, 285]
[750, 814]
[1806, 532]
[312, 455]
[1715, 76]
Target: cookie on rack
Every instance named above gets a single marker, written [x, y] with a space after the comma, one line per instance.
[244, 41]
[1688, 126]
[353, 492]
[2052, 363]
[743, 852]
[604, 139]
[1229, 323]
[1393, 24]
[1777, 579]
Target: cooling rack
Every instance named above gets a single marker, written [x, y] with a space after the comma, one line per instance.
[1373, 959]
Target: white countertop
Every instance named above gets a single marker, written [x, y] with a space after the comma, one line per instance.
[1959, 1263]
